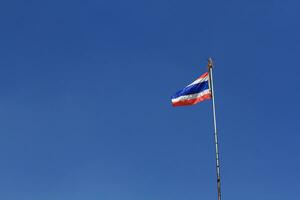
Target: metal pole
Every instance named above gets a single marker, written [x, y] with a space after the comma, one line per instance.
[210, 69]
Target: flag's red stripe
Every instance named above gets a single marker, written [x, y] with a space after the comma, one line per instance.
[203, 75]
[192, 101]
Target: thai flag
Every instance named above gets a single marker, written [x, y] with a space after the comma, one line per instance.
[193, 93]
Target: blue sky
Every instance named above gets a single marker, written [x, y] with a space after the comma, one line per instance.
[85, 91]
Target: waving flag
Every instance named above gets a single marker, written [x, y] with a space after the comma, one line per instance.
[193, 93]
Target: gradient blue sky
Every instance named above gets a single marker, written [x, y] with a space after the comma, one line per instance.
[85, 92]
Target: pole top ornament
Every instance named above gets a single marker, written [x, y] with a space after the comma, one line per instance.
[210, 63]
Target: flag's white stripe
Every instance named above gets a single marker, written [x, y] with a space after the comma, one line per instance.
[199, 80]
[191, 96]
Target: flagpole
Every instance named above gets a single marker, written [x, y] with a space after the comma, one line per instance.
[210, 69]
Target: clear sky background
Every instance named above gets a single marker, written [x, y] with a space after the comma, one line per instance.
[85, 109]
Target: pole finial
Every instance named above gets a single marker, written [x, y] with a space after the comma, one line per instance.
[210, 63]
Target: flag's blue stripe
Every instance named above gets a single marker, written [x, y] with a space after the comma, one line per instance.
[193, 89]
